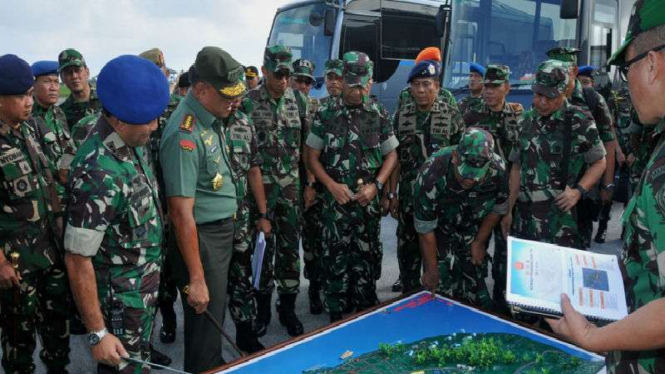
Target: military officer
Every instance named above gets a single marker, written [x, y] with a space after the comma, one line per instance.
[460, 195]
[585, 76]
[34, 294]
[75, 74]
[333, 80]
[423, 124]
[280, 116]
[558, 159]
[352, 153]
[202, 198]
[183, 84]
[592, 101]
[476, 73]
[500, 118]
[246, 164]
[251, 77]
[635, 344]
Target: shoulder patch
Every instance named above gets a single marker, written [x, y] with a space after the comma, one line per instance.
[187, 123]
[187, 145]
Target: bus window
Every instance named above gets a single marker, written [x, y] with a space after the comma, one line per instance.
[396, 23]
[601, 33]
[361, 34]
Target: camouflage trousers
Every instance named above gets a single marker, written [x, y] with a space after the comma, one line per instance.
[137, 324]
[281, 263]
[42, 305]
[408, 251]
[242, 304]
[587, 212]
[545, 222]
[311, 242]
[500, 271]
[458, 277]
[168, 292]
[352, 254]
[635, 362]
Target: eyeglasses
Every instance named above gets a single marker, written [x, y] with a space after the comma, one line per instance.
[279, 75]
[306, 81]
[623, 69]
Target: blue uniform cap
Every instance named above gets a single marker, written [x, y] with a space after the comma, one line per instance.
[425, 69]
[133, 89]
[587, 70]
[40, 68]
[15, 75]
[476, 68]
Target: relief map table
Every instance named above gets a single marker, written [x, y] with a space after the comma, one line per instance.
[424, 335]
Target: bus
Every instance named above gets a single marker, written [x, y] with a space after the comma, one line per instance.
[516, 33]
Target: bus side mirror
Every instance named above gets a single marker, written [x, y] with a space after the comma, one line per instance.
[570, 9]
[330, 22]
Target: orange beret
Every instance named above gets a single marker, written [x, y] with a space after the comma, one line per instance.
[429, 53]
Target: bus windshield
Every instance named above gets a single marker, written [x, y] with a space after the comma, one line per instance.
[301, 29]
[516, 33]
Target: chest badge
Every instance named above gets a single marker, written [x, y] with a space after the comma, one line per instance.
[217, 182]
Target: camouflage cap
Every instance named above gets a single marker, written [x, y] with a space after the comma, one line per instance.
[646, 15]
[217, 67]
[277, 57]
[335, 66]
[563, 54]
[304, 68]
[155, 55]
[551, 78]
[358, 69]
[496, 74]
[70, 57]
[475, 151]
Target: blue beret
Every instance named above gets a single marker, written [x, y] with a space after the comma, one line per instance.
[476, 68]
[133, 89]
[425, 69]
[587, 70]
[15, 75]
[44, 68]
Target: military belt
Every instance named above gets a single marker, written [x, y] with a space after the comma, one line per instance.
[218, 222]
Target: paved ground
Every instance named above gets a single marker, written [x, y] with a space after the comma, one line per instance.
[82, 361]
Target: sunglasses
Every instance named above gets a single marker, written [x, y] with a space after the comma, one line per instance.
[306, 81]
[623, 69]
[279, 75]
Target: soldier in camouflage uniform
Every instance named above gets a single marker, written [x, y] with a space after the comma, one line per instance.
[83, 99]
[51, 121]
[280, 116]
[251, 77]
[500, 118]
[476, 73]
[635, 344]
[334, 69]
[460, 194]
[167, 288]
[352, 153]
[586, 76]
[34, 294]
[114, 231]
[246, 165]
[593, 102]
[549, 162]
[302, 80]
[424, 123]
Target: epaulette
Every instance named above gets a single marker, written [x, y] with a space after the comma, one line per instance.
[187, 123]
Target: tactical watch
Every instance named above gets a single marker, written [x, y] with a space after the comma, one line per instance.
[379, 185]
[310, 184]
[264, 216]
[96, 336]
[583, 192]
[608, 187]
[391, 195]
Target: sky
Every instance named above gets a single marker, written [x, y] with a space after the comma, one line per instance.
[103, 29]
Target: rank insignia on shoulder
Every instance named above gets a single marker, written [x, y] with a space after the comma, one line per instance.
[187, 145]
[187, 123]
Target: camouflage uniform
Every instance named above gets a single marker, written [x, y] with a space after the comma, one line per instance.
[115, 202]
[420, 134]
[244, 156]
[280, 127]
[539, 155]
[466, 103]
[455, 215]
[504, 128]
[352, 142]
[28, 227]
[76, 111]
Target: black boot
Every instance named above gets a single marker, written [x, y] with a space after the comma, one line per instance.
[315, 304]
[246, 338]
[157, 357]
[602, 230]
[167, 330]
[397, 286]
[287, 314]
[263, 314]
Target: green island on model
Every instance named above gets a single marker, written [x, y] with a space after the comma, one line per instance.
[465, 353]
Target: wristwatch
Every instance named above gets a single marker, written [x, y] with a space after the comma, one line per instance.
[583, 192]
[96, 336]
[310, 184]
[265, 216]
[379, 185]
[608, 187]
[391, 195]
